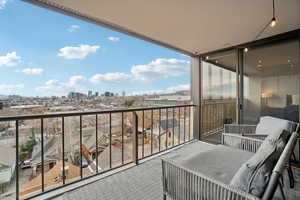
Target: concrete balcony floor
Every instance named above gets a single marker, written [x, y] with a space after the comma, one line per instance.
[144, 180]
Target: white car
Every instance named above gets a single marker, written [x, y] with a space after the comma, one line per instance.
[26, 164]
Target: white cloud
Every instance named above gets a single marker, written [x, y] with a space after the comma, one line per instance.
[32, 71]
[179, 87]
[11, 86]
[181, 54]
[57, 88]
[115, 77]
[113, 39]
[10, 59]
[160, 68]
[52, 87]
[73, 28]
[77, 52]
[2, 3]
[76, 80]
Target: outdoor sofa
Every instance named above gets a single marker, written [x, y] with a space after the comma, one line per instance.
[232, 172]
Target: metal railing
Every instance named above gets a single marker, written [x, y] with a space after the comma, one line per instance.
[144, 131]
[216, 113]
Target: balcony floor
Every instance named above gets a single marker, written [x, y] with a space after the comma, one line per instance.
[138, 182]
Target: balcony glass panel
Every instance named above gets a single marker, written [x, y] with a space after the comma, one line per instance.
[219, 94]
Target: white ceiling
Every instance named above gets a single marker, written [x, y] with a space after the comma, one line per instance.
[189, 25]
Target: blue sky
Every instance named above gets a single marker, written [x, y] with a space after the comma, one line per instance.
[44, 53]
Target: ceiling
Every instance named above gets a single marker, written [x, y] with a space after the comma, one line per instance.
[190, 26]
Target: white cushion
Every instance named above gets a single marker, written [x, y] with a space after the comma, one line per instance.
[272, 125]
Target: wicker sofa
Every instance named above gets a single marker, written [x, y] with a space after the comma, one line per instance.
[249, 137]
[208, 175]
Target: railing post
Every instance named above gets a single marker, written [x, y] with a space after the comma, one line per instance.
[135, 143]
[17, 159]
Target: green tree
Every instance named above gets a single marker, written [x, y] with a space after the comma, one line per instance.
[28, 146]
[129, 103]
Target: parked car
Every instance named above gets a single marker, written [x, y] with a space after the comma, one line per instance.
[26, 164]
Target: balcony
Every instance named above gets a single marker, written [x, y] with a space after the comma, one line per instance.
[91, 143]
[243, 67]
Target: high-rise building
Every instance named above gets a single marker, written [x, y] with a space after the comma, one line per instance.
[123, 93]
[76, 95]
[96, 94]
[90, 94]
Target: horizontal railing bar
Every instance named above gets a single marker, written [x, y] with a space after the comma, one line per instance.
[70, 114]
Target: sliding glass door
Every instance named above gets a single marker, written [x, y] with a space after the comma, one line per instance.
[241, 87]
[271, 82]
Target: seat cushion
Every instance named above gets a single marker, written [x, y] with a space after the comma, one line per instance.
[272, 125]
[220, 163]
[254, 175]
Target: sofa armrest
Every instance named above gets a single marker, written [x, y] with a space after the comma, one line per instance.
[257, 136]
[239, 128]
[241, 142]
[182, 183]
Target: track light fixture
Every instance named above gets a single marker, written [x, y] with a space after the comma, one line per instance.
[273, 22]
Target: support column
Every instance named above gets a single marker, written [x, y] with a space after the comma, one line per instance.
[196, 95]
[297, 147]
[241, 85]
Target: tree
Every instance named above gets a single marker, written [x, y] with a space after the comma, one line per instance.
[28, 146]
[129, 103]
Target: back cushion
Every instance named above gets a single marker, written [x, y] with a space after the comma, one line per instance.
[254, 175]
[273, 125]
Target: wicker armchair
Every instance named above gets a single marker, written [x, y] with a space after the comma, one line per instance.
[244, 136]
[181, 183]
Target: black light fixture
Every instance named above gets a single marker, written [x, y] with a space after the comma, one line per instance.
[270, 23]
[273, 20]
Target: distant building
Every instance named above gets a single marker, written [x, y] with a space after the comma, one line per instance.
[108, 94]
[169, 100]
[1, 105]
[123, 93]
[76, 95]
[90, 94]
[62, 108]
[96, 94]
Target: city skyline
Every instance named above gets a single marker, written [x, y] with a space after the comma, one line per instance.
[62, 54]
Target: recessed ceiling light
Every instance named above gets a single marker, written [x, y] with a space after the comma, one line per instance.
[217, 61]
[246, 50]
[289, 61]
[259, 61]
[207, 57]
[259, 65]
